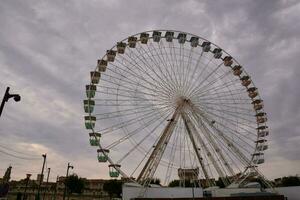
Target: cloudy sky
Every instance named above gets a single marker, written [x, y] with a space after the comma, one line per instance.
[47, 49]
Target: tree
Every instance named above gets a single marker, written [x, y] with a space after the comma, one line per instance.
[74, 184]
[113, 188]
[187, 183]
[155, 181]
[290, 181]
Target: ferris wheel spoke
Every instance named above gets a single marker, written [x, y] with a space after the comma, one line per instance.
[129, 122]
[156, 155]
[161, 61]
[132, 84]
[207, 133]
[229, 142]
[239, 115]
[233, 131]
[177, 65]
[209, 152]
[171, 73]
[222, 144]
[198, 87]
[164, 84]
[195, 69]
[126, 92]
[186, 66]
[229, 114]
[191, 132]
[228, 121]
[236, 95]
[227, 105]
[228, 84]
[172, 156]
[140, 142]
[215, 80]
[174, 65]
[194, 85]
[134, 132]
[237, 91]
[135, 64]
[136, 111]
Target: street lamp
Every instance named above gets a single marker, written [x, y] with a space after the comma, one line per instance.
[72, 167]
[6, 97]
[27, 180]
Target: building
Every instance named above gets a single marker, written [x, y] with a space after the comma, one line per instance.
[55, 190]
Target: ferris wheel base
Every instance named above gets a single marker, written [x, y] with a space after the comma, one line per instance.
[133, 191]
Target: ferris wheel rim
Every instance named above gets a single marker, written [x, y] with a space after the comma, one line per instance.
[151, 31]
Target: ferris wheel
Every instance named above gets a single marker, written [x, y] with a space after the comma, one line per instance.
[173, 105]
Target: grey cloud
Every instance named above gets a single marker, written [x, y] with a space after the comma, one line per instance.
[49, 47]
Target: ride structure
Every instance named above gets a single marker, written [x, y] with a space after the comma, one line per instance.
[164, 103]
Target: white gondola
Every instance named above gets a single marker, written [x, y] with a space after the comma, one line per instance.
[228, 61]
[237, 70]
[113, 172]
[258, 104]
[90, 122]
[132, 41]
[261, 117]
[102, 65]
[246, 81]
[144, 38]
[102, 155]
[217, 53]
[263, 133]
[262, 147]
[206, 46]
[111, 54]
[94, 138]
[181, 38]
[194, 41]
[121, 47]
[88, 105]
[169, 36]
[252, 92]
[156, 36]
[261, 141]
[95, 77]
[90, 91]
[259, 161]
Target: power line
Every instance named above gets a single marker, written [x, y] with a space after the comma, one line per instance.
[7, 148]
[16, 156]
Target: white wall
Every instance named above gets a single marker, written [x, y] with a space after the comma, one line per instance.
[162, 192]
[292, 193]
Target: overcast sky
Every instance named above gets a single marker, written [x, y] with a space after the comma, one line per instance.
[47, 49]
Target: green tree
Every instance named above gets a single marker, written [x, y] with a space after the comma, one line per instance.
[74, 184]
[290, 181]
[187, 183]
[155, 181]
[113, 188]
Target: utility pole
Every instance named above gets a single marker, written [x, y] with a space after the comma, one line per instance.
[69, 166]
[55, 191]
[49, 169]
[27, 180]
[41, 178]
[8, 96]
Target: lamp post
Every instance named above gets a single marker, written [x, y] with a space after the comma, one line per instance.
[41, 178]
[27, 180]
[46, 187]
[6, 97]
[72, 167]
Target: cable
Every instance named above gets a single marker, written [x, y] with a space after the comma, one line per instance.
[19, 157]
[7, 148]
